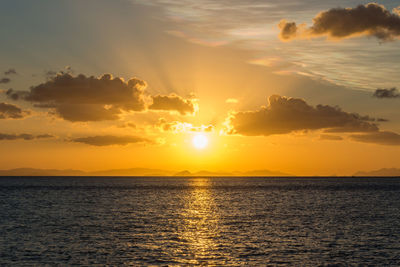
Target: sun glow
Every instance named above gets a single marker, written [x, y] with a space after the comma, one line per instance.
[200, 141]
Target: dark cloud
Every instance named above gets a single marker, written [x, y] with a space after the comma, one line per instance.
[23, 136]
[10, 72]
[5, 80]
[108, 140]
[12, 94]
[284, 115]
[330, 137]
[84, 98]
[381, 138]
[10, 111]
[173, 103]
[40, 136]
[364, 20]
[288, 29]
[387, 93]
[381, 120]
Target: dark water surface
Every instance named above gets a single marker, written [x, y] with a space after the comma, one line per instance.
[205, 221]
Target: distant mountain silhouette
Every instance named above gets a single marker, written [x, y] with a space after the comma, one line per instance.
[132, 172]
[380, 172]
[183, 173]
[247, 173]
[263, 173]
[117, 172]
[41, 172]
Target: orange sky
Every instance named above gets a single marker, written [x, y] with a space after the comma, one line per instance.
[130, 84]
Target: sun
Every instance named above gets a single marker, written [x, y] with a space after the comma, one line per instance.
[200, 141]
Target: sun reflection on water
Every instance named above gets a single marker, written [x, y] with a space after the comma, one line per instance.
[200, 223]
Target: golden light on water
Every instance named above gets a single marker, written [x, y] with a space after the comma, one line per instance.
[200, 221]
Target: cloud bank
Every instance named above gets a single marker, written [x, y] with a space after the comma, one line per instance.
[88, 98]
[285, 115]
[108, 140]
[338, 23]
[10, 111]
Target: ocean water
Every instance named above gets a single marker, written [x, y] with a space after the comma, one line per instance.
[199, 221]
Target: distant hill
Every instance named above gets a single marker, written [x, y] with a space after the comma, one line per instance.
[248, 173]
[381, 172]
[117, 172]
[263, 173]
[41, 172]
[183, 173]
[132, 172]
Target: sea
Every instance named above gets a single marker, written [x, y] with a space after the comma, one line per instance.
[206, 221]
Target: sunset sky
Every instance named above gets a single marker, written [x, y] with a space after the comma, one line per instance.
[299, 86]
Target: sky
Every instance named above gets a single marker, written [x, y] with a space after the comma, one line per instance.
[303, 87]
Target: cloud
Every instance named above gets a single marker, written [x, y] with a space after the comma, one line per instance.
[288, 29]
[10, 111]
[128, 125]
[183, 127]
[338, 23]
[10, 72]
[386, 93]
[381, 138]
[173, 103]
[23, 136]
[83, 98]
[12, 94]
[40, 136]
[285, 115]
[109, 140]
[50, 74]
[5, 80]
[232, 101]
[330, 137]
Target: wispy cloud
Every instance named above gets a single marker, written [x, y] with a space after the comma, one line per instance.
[251, 25]
[109, 140]
[381, 138]
[23, 136]
[330, 137]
